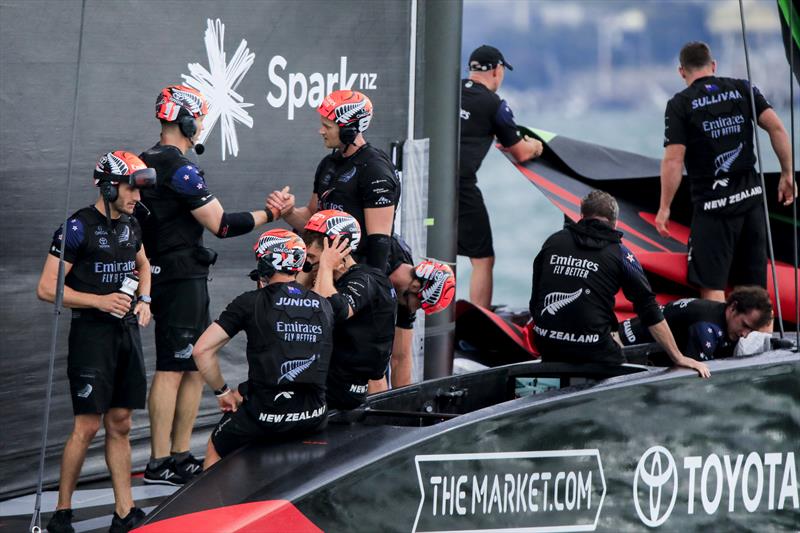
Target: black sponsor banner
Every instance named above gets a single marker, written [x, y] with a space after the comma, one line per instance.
[513, 491]
[264, 66]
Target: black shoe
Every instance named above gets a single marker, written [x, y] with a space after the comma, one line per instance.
[166, 474]
[61, 522]
[190, 467]
[132, 521]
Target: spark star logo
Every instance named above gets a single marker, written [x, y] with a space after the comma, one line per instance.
[218, 83]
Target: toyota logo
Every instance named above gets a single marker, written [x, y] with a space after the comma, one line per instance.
[656, 470]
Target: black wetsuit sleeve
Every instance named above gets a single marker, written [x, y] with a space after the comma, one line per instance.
[339, 307]
[356, 291]
[405, 318]
[637, 289]
[190, 186]
[537, 271]
[503, 125]
[377, 186]
[761, 103]
[75, 237]
[234, 318]
[136, 228]
[674, 125]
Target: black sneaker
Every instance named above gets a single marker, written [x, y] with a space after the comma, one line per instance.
[166, 474]
[61, 522]
[123, 525]
[190, 467]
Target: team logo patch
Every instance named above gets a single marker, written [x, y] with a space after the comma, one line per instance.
[347, 176]
[291, 369]
[724, 161]
[555, 301]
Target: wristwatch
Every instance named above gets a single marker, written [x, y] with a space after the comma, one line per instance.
[222, 391]
[145, 298]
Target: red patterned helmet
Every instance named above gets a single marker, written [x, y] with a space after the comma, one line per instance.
[331, 222]
[123, 167]
[438, 286]
[279, 250]
[347, 108]
[176, 97]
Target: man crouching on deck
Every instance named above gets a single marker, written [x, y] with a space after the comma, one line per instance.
[576, 276]
[289, 341]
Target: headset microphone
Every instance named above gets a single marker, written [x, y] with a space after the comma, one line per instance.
[198, 148]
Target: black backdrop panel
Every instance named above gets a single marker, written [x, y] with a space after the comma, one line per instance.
[131, 49]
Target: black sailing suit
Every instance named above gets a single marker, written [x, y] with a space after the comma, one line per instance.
[576, 276]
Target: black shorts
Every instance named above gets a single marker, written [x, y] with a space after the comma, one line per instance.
[345, 392]
[474, 229]
[105, 365]
[605, 352]
[726, 251]
[180, 310]
[244, 426]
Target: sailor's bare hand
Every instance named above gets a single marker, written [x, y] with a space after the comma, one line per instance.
[538, 147]
[662, 222]
[701, 368]
[333, 254]
[228, 402]
[787, 191]
[281, 201]
[142, 312]
[115, 303]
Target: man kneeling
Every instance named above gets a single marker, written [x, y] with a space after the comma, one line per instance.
[289, 340]
[707, 329]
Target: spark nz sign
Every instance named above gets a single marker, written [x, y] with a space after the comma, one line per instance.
[296, 89]
[560, 490]
[713, 484]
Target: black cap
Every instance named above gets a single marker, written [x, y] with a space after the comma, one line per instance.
[487, 58]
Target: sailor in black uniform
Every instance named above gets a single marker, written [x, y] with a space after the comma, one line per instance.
[181, 208]
[484, 118]
[105, 366]
[576, 276]
[429, 286]
[705, 329]
[709, 127]
[364, 304]
[289, 338]
[356, 178]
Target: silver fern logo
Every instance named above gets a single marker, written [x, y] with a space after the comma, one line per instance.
[267, 243]
[190, 100]
[116, 165]
[555, 301]
[218, 84]
[433, 291]
[337, 225]
[291, 369]
[725, 160]
[346, 112]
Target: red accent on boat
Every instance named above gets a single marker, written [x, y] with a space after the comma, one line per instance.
[271, 516]
[679, 232]
[550, 186]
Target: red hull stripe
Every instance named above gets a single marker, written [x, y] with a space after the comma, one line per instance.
[271, 516]
[571, 198]
[678, 232]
